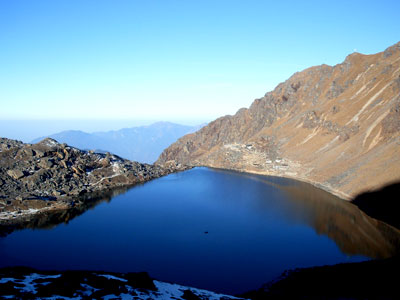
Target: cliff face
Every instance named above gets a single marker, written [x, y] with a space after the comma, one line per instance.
[337, 127]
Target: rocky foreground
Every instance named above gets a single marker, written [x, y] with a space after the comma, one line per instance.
[366, 280]
[48, 176]
[27, 283]
[337, 127]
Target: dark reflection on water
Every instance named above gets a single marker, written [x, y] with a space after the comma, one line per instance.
[352, 230]
[50, 219]
[213, 229]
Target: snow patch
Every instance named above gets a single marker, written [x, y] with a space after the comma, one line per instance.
[169, 290]
[56, 297]
[121, 296]
[30, 285]
[89, 289]
[13, 214]
[164, 290]
[49, 142]
[116, 167]
[112, 277]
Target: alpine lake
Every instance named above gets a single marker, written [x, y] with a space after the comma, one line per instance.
[219, 230]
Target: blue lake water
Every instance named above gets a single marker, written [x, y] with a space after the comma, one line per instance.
[219, 230]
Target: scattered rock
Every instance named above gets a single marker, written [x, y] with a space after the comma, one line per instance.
[189, 295]
[311, 120]
[29, 152]
[49, 170]
[39, 153]
[6, 144]
[343, 136]
[46, 163]
[16, 174]
[335, 109]
[391, 123]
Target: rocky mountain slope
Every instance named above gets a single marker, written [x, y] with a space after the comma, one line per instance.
[143, 143]
[336, 127]
[49, 176]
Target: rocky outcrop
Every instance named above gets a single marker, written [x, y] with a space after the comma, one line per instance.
[28, 283]
[336, 127]
[49, 176]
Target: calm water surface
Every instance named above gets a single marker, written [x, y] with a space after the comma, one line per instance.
[213, 229]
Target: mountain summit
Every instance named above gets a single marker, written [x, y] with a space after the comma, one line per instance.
[335, 126]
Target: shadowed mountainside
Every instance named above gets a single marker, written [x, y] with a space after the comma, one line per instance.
[365, 280]
[382, 204]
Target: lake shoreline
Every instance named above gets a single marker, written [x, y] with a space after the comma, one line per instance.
[316, 184]
[49, 176]
[341, 212]
[17, 218]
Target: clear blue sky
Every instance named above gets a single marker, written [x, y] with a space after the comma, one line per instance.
[184, 61]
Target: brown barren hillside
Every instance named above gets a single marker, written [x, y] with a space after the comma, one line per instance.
[336, 127]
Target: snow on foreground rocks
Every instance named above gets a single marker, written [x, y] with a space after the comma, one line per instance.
[26, 283]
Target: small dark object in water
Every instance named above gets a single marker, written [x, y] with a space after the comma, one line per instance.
[206, 232]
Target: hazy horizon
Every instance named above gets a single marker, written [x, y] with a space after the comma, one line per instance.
[28, 130]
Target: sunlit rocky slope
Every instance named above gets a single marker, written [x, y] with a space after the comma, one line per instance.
[337, 127]
[35, 178]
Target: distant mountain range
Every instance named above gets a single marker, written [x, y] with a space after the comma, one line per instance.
[143, 144]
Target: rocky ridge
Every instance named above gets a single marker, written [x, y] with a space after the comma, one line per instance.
[50, 176]
[337, 127]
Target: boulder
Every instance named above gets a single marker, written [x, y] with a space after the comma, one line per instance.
[16, 174]
[39, 153]
[29, 152]
[58, 193]
[46, 163]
